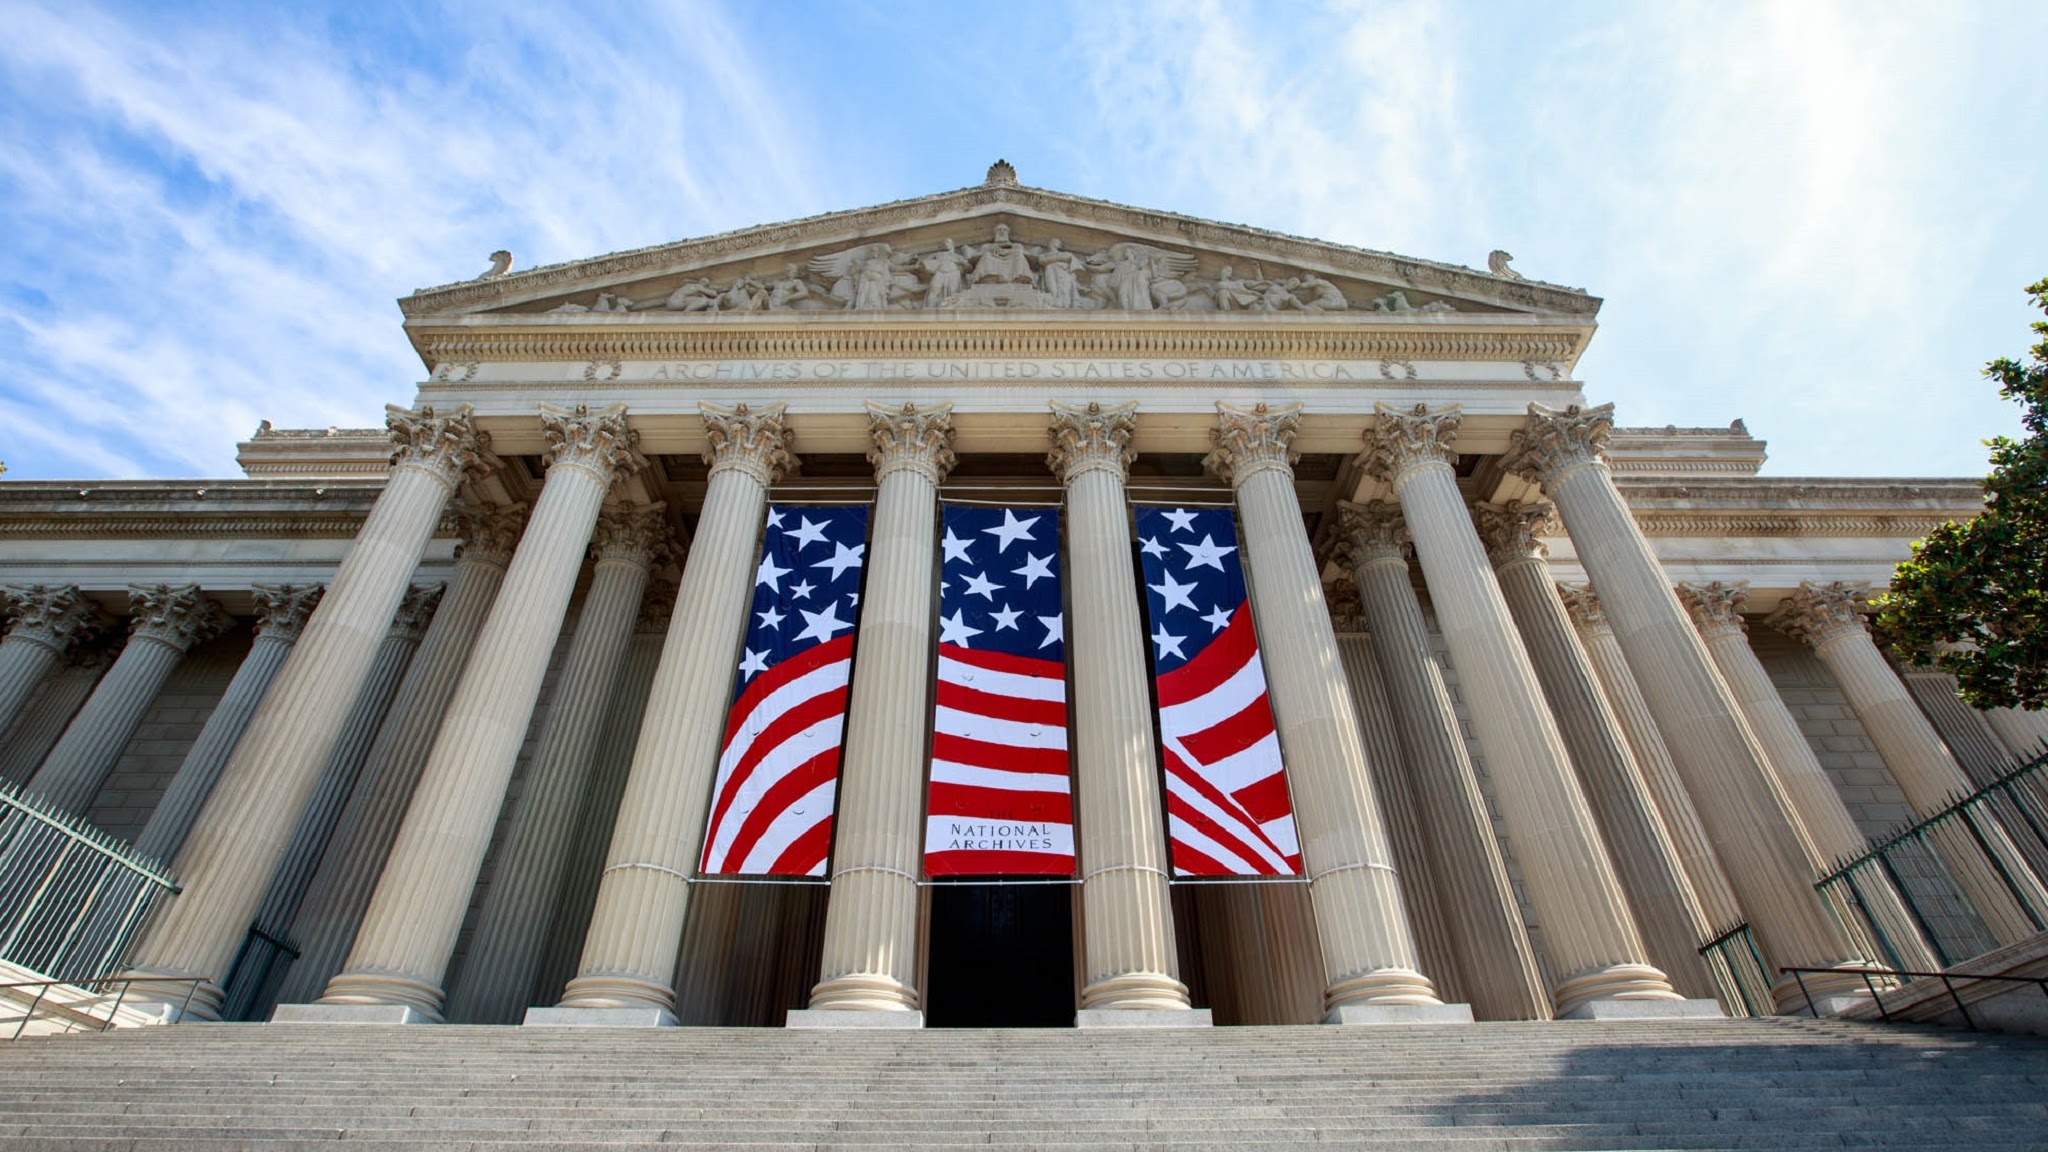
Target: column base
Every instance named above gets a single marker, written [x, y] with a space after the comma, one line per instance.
[1136, 992]
[1647, 1010]
[1832, 992]
[570, 1017]
[350, 1014]
[1143, 1018]
[1382, 987]
[1372, 1014]
[614, 990]
[173, 1001]
[383, 988]
[864, 992]
[1612, 983]
[843, 1018]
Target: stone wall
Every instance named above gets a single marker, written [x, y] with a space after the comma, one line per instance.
[166, 733]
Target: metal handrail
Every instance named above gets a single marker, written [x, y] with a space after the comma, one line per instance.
[1947, 979]
[43, 987]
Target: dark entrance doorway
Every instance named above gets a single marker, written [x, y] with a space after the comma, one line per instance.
[1001, 956]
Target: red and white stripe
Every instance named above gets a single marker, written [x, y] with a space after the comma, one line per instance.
[1001, 800]
[771, 811]
[1226, 797]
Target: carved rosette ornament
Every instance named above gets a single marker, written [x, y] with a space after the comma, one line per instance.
[416, 611]
[597, 442]
[489, 535]
[1248, 441]
[657, 604]
[632, 534]
[282, 609]
[1556, 443]
[174, 614]
[1404, 441]
[1584, 606]
[1716, 607]
[1369, 532]
[54, 617]
[742, 440]
[913, 439]
[1091, 439]
[1822, 613]
[446, 447]
[1512, 532]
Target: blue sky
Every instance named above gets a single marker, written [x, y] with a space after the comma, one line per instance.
[1816, 216]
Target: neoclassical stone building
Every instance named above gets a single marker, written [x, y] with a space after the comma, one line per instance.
[433, 722]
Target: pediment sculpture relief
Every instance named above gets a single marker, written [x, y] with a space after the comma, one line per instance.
[1004, 272]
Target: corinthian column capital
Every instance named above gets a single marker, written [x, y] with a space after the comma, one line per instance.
[912, 439]
[1248, 441]
[1513, 531]
[1584, 606]
[174, 614]
[743, 440]
[1556, 442]
[416, 611]
[1091, 439]
[54, 617]
[446, 447]
[1404, 441]
[1819, 613]
[597, 442]
[657, 607]
[282, 609]
[1716, 607]
[1369, 532]
[633, 534]
[489, 535]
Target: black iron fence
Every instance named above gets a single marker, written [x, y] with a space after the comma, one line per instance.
[72, 898]
[1741, 976]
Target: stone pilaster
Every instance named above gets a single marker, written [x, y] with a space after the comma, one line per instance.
[242, 834]
[1829, 618]
[495, 985]
[870, 957]
[326, 922]
[1478, 902]
[1667, 912]
[2024, 731]
[401, 952]
[1967, 732]
[44, 622]
[281, 612]
[1368, 948]
[629, 952]
[1725, 770]
[1131, 959]
[167, 622]
[1571, 884]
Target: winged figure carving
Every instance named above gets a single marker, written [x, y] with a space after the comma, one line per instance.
[870, 276]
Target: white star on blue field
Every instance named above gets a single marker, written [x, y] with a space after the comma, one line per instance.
[996, 597]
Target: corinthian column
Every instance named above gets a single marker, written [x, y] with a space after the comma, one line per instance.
[1982, 860]
[1369, 959]
[1130, 960]
[43, 719]
[1478, 902]
[870, 956]
[1667, 912]
[281, 611]
[496, 982]
[1572, 887]
[325, 924]
[636, 927]
[1724, 768]
[409, 932]
[167, 622]
[46, 621]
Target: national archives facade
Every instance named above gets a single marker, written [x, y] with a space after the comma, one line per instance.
[486, 716]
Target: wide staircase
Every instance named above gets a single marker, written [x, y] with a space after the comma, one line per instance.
[1776, 1083]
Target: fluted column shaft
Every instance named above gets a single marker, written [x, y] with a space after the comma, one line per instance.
[2022, 730]
[870, 955]
[1478, 901]
[1724, 768]
[495, 984]
[1368, 946]
[46, 621]
[42, 721]
[169, 621]
[1966, 731]
[325, 925]
[281, 615]
[1586, 924]
[636, 925]
[233, 851]
[408, 935]
[1667, 913]
[1130, 955]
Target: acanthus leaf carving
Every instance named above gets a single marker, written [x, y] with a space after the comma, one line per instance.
[743, 440]
[913, 439]
[55, 617]
[1403, 441]
[175, 614]
[1248, 441]
[1556, 442]
[1715, 606]
[1369, 533]
[1091, 437]
[1821, 613]
[489, 535]
[445, 446]
[598, 442]
[416, 611]
[633, 534]
[1513, 531]
[282, 609]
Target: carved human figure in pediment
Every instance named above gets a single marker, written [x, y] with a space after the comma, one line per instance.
[946, 268]
[1397, 301]
[1059, 273]
[1277, 295]
[784, 294]
[1001, 261]
[1231, 292]
[872, 276]
[698, 295]
[1323, 295]
[743, 295]
[606, 302]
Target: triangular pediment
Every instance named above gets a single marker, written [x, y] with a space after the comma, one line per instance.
[998, 246]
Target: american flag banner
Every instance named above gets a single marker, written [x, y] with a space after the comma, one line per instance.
[1227, 810]
[778, 770]
[1001, 800]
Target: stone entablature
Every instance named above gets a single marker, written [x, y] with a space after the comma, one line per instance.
[307, 453]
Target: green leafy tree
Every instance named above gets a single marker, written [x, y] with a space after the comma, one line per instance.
[1982, 586]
